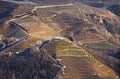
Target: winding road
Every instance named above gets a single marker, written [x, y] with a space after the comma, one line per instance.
[37, 7]
[51, 6]
[34, 9]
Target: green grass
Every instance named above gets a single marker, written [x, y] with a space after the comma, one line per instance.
[63, 47]
[71, 52]
[47, 20]
[67, 49]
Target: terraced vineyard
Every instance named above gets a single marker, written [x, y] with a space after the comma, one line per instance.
[104, 52]
[79, 63]
[67, 35]
[78, 68]
[103, 45]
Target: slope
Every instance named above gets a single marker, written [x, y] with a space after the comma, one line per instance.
[79, 63]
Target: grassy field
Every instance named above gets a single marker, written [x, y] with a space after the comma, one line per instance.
[68, 52]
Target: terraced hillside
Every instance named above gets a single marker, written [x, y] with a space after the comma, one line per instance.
[111, 5]
[63, 22]
[104, 52]
[79, 63]
[85, 39]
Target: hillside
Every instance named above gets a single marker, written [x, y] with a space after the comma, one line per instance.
[79, 63]
[6, 10]
[74, 39]
[115, 9]
[32, 63]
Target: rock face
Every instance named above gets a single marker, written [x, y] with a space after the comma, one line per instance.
[33, 63]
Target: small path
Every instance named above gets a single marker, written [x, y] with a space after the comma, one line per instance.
[17, 19]
[37, 7]
[51, 6]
